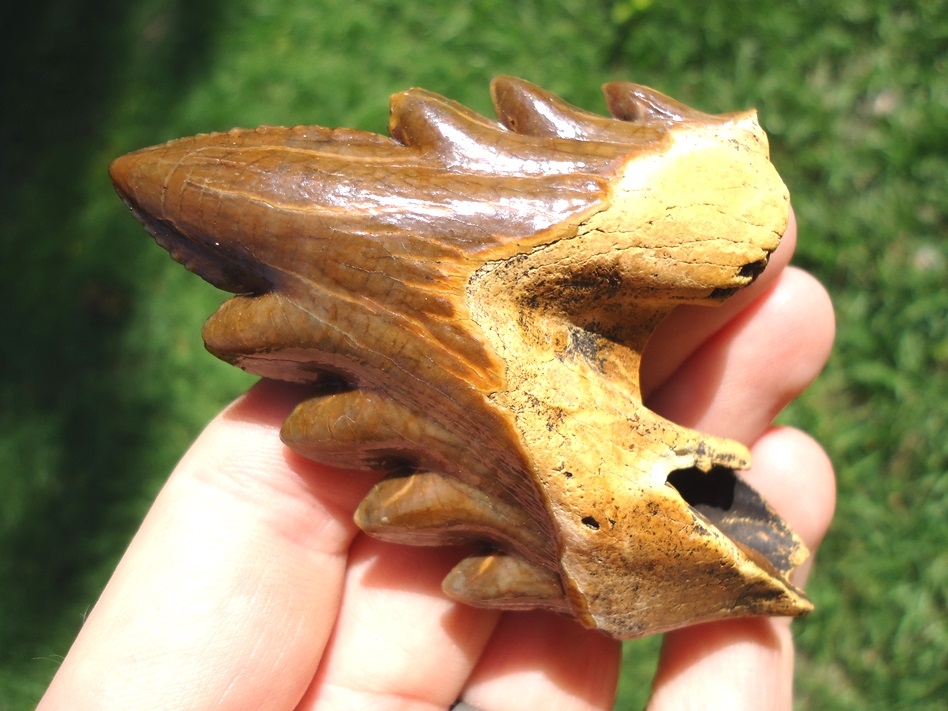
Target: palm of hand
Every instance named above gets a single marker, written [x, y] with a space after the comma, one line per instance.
[249, 586]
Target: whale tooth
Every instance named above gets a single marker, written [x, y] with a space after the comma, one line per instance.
[468, 302]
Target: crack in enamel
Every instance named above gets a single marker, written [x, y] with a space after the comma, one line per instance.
[476, 296]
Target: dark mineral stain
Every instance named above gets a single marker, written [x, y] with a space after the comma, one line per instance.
[585, 344]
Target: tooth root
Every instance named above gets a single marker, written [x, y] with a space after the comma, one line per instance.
[504, 581]
[426, 508]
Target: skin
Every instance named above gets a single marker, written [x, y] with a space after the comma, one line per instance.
[249, 587]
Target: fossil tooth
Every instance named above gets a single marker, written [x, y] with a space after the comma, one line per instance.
[506, 582]
[474, 296]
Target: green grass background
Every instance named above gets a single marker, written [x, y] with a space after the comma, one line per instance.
[104, 380]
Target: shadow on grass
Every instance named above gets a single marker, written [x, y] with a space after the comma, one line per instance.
[71, 414]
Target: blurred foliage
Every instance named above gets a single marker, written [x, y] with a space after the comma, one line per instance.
[105, 380]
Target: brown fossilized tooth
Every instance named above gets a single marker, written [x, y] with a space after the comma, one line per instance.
[475, 296]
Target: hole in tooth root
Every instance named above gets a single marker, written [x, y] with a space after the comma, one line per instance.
[721, 294]
[753, 269]
[734, 508]
[590, 522]
[705, 490]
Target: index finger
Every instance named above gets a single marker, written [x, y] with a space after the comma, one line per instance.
[688, 326]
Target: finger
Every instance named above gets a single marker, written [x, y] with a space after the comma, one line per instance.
[737, 381]
[793, 472]
[748, 663]
[687, 327]
[540, 660]
[226, 596]
[399, 643]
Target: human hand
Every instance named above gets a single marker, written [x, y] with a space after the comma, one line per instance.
[248, 585]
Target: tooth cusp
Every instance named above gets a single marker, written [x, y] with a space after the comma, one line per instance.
[502, 581]
[427, 508]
